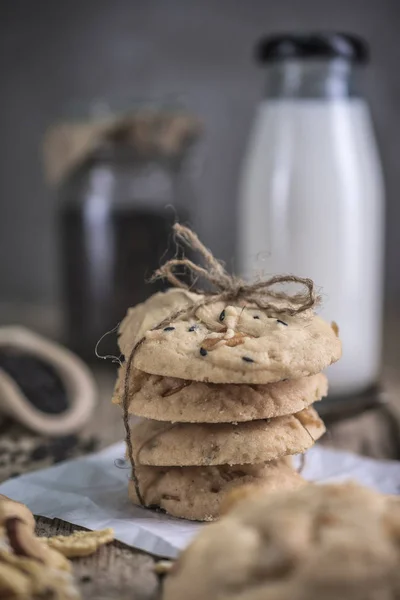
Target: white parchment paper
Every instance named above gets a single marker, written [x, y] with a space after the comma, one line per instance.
[92, 492]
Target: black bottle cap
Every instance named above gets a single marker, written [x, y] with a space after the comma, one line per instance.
[312, 45]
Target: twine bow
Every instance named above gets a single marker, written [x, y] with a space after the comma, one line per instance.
[224, 287]
[230, 288]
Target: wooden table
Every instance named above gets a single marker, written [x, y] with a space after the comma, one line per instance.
[115, 572]
[119, 572]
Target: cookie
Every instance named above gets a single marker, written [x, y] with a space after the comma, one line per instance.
[330, 542]
[185, 444]
[240, 494]
[237, 344]
[178, 400]
[196, 493]
[145, 316]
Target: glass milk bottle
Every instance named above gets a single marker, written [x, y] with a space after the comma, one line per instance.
[311, 193]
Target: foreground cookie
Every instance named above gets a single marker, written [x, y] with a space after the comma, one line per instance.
[185, 444]
[196, 493]
[178, 400]
[238, 344]
[319, 542]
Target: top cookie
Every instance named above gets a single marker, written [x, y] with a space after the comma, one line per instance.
[232, 344]
[330, 542]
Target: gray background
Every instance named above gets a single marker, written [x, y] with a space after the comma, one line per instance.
[52, 52]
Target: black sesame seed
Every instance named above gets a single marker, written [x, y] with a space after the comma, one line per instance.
[222, 316]
[203, 352]
[282, 322]
[192, 328]
[256, 317]
[247, 359]
[169, 328]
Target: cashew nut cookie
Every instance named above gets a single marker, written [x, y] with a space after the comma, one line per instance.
[159, 443]
[234, 344]
[319, 541]
[197, 493]
[178, 400]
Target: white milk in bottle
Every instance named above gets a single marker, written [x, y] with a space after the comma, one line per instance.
[311, 195]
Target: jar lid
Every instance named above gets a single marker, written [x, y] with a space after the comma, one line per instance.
[312, 45]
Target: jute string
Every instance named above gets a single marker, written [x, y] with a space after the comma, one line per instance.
[221, 287]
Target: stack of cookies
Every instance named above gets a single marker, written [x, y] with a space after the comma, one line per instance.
[224, 397]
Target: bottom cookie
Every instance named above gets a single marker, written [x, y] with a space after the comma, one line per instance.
[196, 493]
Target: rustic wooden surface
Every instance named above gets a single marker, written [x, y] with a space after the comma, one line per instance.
[115, 572]
[119, 573]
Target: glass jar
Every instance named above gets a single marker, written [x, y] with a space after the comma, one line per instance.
[312, 197]
[117, 206]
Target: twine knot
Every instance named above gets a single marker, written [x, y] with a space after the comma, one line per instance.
[220, 285]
